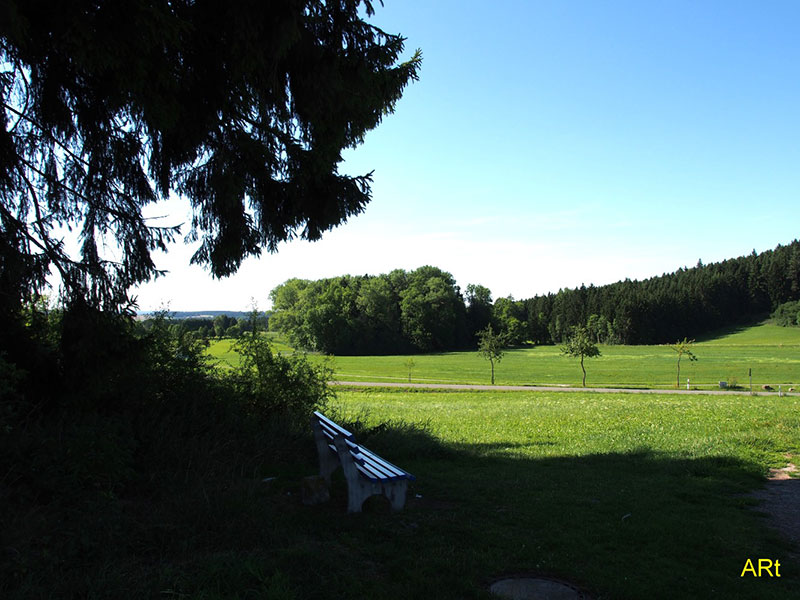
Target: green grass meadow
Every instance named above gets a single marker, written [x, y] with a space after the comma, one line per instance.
[626, 495]
[770, 351]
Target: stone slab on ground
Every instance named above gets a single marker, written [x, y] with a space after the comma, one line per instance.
[535, 588]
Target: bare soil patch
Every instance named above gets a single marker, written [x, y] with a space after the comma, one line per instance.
[780, 501]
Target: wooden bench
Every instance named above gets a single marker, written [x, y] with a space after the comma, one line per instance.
[366, 473]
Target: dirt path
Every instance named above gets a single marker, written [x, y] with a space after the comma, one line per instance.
[780, 501]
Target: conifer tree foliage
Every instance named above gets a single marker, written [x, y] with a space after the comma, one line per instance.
[659, 310]
[244, 107]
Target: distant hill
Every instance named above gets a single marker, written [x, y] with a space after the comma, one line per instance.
[201, 314]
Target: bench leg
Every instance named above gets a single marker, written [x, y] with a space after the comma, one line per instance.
[359, 488]
[396, 493]
[357, 493]
[328, 461]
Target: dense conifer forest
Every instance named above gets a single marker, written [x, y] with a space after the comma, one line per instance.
[425, 311]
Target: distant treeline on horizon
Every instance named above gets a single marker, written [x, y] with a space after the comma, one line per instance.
[206, 324]
[198, 314]
[425, 311]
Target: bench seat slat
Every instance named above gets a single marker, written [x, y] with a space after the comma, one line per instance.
[371, 469]
[369, 473]
[372, 475]
[378, 462]
[380, 466]
[386, 464]
[380, 471]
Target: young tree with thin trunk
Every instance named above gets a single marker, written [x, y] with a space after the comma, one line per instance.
[490, 346]
[683, 348]
[580, 345]
[410, 364]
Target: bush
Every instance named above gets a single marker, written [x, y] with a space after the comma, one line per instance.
[274, 385]
[787, 314]
[137, 440]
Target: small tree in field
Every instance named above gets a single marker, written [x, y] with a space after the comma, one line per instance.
[683, 348]
[580, 345]
[490, 346]
[410, 364]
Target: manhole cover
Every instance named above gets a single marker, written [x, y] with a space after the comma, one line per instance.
[535, 588]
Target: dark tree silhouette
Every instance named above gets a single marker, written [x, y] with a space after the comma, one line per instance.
[243, 107]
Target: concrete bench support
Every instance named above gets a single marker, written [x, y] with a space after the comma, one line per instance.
[366, 473]
[360, 488]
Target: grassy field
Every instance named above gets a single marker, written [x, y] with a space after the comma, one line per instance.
[224, 353]
[772, 352]
[629, 496]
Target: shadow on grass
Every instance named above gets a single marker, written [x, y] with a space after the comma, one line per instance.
[732, 329]
[621, 525]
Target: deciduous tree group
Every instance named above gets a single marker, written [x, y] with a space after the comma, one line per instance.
[425, 311]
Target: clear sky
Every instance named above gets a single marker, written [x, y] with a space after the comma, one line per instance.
[554, 143]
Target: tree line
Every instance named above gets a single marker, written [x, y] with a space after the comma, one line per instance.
[686, 303]
[424, 310]
[203, 328]
[418, 311]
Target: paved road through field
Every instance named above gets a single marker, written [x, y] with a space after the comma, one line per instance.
[532, 388]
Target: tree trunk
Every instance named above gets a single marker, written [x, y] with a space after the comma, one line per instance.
[678, 380]
[584, 372]
[492, 363]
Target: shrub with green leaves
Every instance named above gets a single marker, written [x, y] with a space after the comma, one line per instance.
[787, 314]
[273, 384]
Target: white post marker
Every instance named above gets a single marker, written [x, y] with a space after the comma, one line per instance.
[687, 383]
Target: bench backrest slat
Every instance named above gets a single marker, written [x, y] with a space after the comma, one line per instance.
[330, 425]
[332, 433]
[371, 465]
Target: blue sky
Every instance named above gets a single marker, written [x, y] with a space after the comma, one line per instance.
[550, 144]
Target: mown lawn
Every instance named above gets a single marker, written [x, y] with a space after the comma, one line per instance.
[631, 496]
[771, 352]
